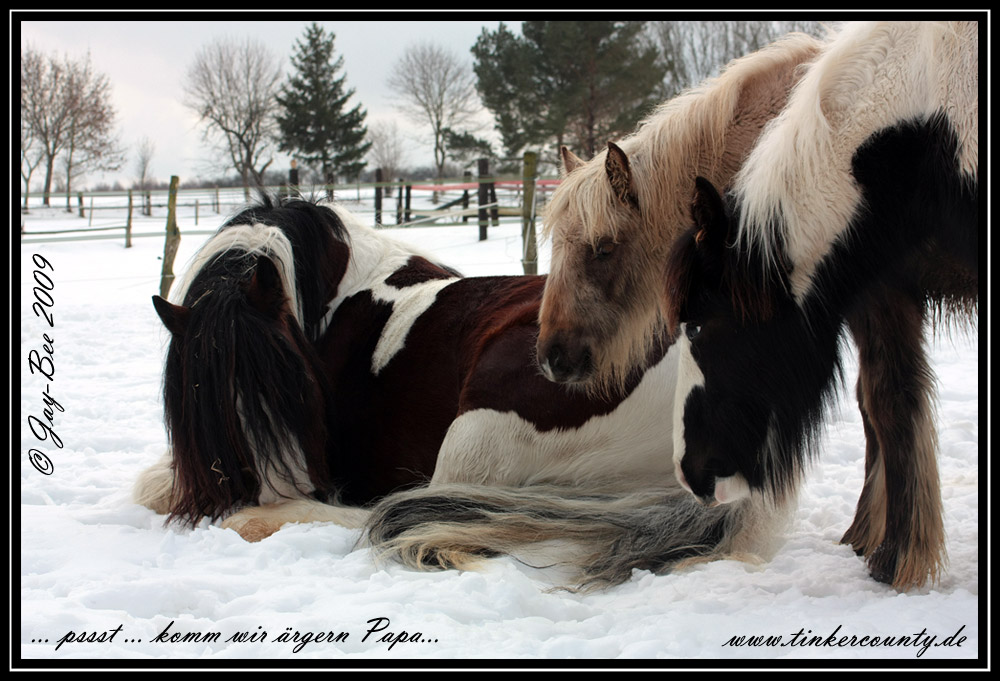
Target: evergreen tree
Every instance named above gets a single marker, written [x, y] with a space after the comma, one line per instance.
[567, 82]
[313, 121]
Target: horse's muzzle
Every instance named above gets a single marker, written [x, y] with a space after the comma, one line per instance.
[562, 365]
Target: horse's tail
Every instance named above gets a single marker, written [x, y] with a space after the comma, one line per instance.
[601, 538]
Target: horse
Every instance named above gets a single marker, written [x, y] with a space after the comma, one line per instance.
[612, 219]
[611, 222]
[857, 212]
[243, 400]
[316, 365]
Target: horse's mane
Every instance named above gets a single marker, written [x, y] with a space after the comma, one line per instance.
[683, 137]
[870, 76]
[295, 234]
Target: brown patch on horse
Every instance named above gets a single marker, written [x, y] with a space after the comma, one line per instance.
[417, 270]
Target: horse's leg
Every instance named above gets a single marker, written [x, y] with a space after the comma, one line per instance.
[258, 522]
[154, 486]
[896, 390]
[868, 528]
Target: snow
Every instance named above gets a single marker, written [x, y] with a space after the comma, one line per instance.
[102, 578]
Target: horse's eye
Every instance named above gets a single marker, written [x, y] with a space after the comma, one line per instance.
[691, 330]
[604, 249]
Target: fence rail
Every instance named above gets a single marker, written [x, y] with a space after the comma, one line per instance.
[478, 200]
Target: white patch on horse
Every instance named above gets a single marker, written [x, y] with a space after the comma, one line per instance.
[731, 488]
[689, 377]
[626, 447]
[374, 258]
[407, 306]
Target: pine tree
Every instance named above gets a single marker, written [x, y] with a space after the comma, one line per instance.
[313, 122]
[575, 82]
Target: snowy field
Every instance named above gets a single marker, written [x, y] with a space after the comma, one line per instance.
[102, 581]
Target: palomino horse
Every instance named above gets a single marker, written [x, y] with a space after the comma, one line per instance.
[314, 359]
[611, 222]
[858, 208]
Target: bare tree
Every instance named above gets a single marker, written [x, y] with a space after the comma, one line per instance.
[387, 148]
[91, 143]
[232, 88]
[66, 113]
[696, 50]
[31, 155]
[44, 111]
[435, 88]
[144, 150]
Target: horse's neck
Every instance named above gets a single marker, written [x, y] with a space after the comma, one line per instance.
[798, 180]
[714, 127]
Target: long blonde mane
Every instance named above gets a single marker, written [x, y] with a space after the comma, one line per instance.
[707, 130]
[870, 76]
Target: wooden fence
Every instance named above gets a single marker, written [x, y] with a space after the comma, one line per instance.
[478, 200]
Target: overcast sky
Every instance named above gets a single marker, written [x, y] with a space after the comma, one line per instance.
[146, 62]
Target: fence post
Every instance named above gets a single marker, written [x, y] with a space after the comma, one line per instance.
[399, 201]
[128, 222]
[467, 178]
[406, 204]
[378, 197]
[293, 179]
[79, 201]
[329, 179]
[173, 239]
[530, 259]
[484, 196]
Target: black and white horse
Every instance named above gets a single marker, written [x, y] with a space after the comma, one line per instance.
[312, 360]
[858, 210]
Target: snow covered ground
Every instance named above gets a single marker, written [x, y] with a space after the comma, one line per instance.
[102, 579]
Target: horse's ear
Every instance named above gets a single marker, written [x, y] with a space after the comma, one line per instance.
[620, 176]
[709, 213]
[748, 287]
[174, 317]
[266, 292]
[695, 257]
[570, 161]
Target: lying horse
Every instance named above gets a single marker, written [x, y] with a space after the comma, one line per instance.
[312, 359]
[858, 209]
[611, 222]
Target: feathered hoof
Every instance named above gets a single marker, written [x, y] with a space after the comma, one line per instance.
[252, 529]
[154, 486]
[903, 570]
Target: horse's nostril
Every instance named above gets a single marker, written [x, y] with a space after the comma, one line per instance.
[556, 356]
[562, 366]
[558, 363]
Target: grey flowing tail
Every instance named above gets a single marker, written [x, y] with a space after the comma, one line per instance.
[604, 536]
